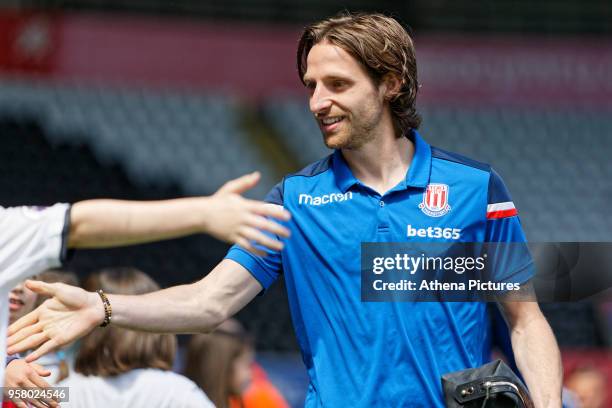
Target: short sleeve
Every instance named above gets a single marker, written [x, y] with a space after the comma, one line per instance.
[32, 239]
[503, 224]
[508, 249]
[268, 268]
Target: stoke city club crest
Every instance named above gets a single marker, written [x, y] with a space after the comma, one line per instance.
[435, 200]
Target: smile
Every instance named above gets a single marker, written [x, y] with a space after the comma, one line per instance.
[15, 304]
[332, 120]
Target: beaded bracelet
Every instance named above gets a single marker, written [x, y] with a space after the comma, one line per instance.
[108, 310]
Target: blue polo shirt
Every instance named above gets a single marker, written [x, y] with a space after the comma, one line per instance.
[381, 354]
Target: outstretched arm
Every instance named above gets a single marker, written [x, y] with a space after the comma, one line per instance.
[225, 215]
[536, 352]
[72, 312]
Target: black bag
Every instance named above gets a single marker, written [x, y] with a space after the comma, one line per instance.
[493, 385]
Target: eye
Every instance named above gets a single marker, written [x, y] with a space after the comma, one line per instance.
[338, 83]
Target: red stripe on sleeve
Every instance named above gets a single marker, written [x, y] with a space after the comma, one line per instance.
[494, 215]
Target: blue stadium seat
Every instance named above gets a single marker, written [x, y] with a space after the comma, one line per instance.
[189, 139]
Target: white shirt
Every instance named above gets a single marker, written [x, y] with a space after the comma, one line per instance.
[145, 387]
[31, 240]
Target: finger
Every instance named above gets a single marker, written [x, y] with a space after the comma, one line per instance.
[241, 184]
[29, 343]
[29, 385]
[41, 403]
[40, 383]
[50, 345]
[27, 320]
[38, 380]
[40, 370]
[20, 403]
[22, 335]
[265, 224]
[244, 243]
[271, 210]
[47, 402]
[38, 403]
[259, 237]
[42, 288]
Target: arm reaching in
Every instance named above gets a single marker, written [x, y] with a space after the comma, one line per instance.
[73, 312]
[536, 352]
[225, 215]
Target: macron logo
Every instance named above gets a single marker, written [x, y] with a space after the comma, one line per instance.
[307, 199]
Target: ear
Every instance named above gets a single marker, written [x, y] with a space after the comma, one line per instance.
[390, 86]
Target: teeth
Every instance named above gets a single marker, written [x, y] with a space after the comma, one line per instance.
[331, 121]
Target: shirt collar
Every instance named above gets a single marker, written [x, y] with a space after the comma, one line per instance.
[417, 176]
[420, 168]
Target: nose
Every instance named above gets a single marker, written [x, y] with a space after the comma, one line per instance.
[320, 101]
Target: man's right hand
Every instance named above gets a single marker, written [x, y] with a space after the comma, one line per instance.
[68, 315]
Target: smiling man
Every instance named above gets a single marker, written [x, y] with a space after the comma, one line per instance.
[360, 71]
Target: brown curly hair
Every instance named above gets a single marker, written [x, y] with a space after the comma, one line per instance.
[382, 46]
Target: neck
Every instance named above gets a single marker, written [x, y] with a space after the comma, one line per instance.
[383, 162]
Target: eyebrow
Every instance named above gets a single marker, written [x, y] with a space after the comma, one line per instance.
[306, 80]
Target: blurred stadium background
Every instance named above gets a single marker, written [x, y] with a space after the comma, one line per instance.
[148, 99]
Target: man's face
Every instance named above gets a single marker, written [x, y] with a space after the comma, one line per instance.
[347, 105]
[21, 302]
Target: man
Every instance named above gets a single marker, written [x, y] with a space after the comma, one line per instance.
[360, 71]
[34, 239]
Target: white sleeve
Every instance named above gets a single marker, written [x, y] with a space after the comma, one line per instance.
[32, 239]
